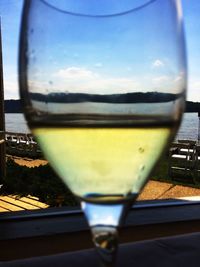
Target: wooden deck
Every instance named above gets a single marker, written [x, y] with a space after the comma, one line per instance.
[14, 203]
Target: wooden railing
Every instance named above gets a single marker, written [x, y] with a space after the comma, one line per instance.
[22, 144]
[184, 160]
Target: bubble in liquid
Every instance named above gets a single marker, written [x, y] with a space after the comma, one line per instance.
[142, 167]
[141, 150]
[138, 177]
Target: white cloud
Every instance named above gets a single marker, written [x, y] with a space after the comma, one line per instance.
[195, 85]
[157, 63]
[160, 79]
[180, 78]
[170, 83]
[40, 86]
[112, 85]
[11, 90]
[74, 73]
[74, 79]
[193, 92]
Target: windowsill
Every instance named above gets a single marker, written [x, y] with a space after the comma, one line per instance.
[52, 231]
[173, 251]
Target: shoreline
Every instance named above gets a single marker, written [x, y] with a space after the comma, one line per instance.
[13, 124]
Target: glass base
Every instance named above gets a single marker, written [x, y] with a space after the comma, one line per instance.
[104, 220]
[105, 239]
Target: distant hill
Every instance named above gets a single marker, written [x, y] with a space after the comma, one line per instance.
[14, 106]
[192, 106]
[136, 97]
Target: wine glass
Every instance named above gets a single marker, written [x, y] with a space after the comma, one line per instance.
[103, 88]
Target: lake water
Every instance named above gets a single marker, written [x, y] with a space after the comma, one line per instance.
[189, 127]
[15, 122]
[188, 130]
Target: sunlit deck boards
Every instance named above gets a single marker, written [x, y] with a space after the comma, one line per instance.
[15, 203]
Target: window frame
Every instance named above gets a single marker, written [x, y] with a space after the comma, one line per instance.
[51, 231]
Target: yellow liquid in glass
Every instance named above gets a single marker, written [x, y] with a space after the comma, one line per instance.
[103, 164]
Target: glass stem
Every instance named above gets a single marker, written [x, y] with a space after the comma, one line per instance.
[105, 239]
[104, 219]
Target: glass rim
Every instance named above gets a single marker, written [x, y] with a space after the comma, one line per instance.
[138, 7]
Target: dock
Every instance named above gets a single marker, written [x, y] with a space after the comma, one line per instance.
[16, 203]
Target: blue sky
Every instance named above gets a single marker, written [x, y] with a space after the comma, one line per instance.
[10, 11]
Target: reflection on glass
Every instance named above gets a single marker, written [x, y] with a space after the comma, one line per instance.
[103, 90]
